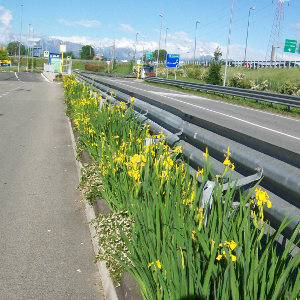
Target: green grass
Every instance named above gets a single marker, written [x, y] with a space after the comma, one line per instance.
[276, 76]
[15, 69]
[276, 108]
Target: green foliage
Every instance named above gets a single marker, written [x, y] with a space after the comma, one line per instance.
[13, 48]
[114, 65]
[196, 73]
[178, 247]
[217, 54]
[213, 76]
[239, 81]
[162, 55]
[288, 88]
[3, 55]
[110, 239]
[130, 66]
[87, 52]
[95, 68]
[69, 53]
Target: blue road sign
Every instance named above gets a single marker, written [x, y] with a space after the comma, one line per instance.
[172, 61]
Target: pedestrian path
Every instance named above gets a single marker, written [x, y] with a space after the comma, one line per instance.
[45, 243]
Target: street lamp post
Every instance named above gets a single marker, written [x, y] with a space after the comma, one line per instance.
[166, 51]
[159, 43]
[166, 42]
[135, 45]
[195, 42]
[228, 44]
[28, 48]
[20, 41]
[143, 49]
[251, 8]
[32, 51]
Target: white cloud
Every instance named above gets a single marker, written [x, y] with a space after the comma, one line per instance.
[6, 16]
[84, 23]
[126, 28]
[73, 39]
[6, 32]
[177, 43]
[296, 27]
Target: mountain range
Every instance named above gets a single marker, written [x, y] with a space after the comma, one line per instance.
[121, 53]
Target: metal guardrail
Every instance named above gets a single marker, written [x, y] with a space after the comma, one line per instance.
[288, 100]
[281, 180]
[110, 74]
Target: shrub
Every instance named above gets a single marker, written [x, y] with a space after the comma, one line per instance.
[94, 68]
[260, 86]
[287, 88]
[239, 81]
[213, 76]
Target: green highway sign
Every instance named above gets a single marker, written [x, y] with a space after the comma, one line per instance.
[149, 55]
[290, 46]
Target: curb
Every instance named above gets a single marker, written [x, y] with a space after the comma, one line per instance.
[128, 288]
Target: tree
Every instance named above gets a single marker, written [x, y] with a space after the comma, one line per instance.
[214, 71]
[162, 55]
[87, 52]
[13, 48]
[69, 53]
[3, 55]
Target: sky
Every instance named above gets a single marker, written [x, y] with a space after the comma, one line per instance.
[98, 23]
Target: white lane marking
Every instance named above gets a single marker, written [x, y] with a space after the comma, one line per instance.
[231, 104]
[225, 115]
[46, 78]
[203, 98]
[238, 119]
[180, 94]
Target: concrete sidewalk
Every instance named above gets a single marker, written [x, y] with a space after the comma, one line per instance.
[49, 75]
[45, 243]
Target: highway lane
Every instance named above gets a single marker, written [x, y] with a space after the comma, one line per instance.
[45, 244]
[272, 128]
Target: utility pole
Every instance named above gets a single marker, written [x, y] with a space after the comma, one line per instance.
[32, 51]
[276, 36]
[135, 45]
[159, 43]
[20, 41]
[28, 48]
[195, 43]
[228, 44]
[143, 49]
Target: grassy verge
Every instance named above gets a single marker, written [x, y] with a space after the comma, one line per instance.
[276, 76]
[175, 243]
[15, 69]
[276, 108]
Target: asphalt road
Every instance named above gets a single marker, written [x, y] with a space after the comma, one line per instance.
[272, 128]
[45, 244]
